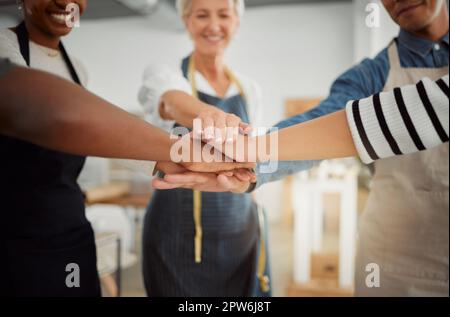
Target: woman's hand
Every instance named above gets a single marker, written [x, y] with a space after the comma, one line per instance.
[169, 168]
[218, 162]
[215, 125]
[216, 167]
[209, 123]
[205, 182]
[241, 170]
[242, 174]
[196, 156]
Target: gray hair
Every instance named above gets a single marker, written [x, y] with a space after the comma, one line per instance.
[184, 7]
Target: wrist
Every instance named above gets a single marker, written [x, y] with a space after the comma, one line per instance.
[206, 110]
[194, 111]
[182, 107]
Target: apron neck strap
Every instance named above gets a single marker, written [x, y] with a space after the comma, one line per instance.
[394, 59]
[191, 77]
[24, 45]
[22, 37]
[73, 72]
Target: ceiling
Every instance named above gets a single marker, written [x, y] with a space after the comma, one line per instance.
[100, 9]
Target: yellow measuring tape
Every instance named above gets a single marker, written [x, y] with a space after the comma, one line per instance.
[264, 280]
[197, 196]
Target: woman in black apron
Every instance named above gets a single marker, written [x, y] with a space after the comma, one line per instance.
[46, 242]
[206, 244]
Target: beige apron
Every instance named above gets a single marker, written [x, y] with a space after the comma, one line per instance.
[405, 227]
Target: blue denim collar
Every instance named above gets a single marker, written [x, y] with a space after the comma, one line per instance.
[416, 44]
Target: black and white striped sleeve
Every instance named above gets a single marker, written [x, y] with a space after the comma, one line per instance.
[403, 121]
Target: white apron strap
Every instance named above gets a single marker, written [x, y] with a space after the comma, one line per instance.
[394, 59]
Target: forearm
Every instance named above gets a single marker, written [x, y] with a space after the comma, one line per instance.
[56, 114]
[369, 128]
[181, 107]
[323, 138]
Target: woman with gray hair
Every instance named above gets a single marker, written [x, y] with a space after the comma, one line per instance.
[194, 243]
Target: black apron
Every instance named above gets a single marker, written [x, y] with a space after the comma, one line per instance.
[231, 237]
[43, 227]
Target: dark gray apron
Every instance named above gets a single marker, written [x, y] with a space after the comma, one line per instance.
[231, 237]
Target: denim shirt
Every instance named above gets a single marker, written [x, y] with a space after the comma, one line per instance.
[361, 81]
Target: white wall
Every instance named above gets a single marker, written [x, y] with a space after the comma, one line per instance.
[293, 51]
[116, 52]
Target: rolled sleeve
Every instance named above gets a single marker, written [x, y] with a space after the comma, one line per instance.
[283, 170]
[385, 133]
[158, 80]
[352, 110]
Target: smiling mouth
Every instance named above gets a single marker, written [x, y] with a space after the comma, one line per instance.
[213, 38]
[408, 9]
[59, 17]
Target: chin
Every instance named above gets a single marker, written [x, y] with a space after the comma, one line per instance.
[413, 26]
[61, 30]
[414, 21]
[210, 51]
[65, 32]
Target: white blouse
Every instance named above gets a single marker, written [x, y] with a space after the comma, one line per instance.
[159, 79]
[41, 58]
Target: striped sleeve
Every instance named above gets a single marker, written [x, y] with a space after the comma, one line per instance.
[403, 121]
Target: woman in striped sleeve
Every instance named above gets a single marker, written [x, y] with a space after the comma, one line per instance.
[424, 110]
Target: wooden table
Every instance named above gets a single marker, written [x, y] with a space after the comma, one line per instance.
[128, 200]
[117, 194]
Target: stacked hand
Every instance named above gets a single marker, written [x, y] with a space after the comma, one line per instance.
[218, 129]
[236, 181]
[216, 125]
[208, 177]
